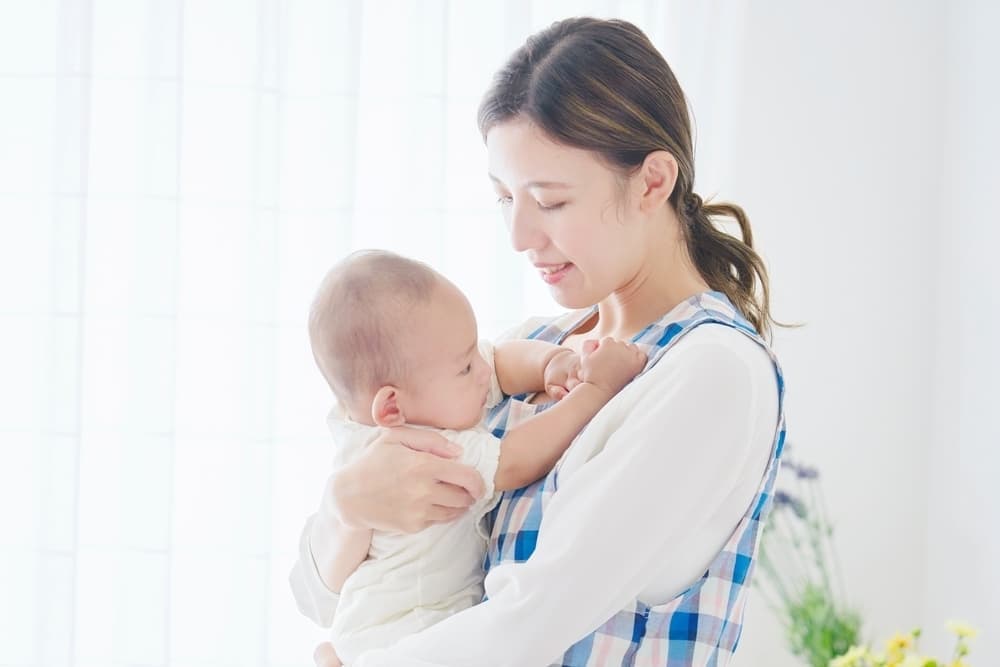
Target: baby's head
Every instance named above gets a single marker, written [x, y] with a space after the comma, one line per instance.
[397, 343]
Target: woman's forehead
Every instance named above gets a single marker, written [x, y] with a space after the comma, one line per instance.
[522, 156]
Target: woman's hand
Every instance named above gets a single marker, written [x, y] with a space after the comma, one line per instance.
[405, 481]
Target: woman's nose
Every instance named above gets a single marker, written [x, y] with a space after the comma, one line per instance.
[525, 233]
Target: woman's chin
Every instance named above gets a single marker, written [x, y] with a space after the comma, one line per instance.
[571, 299]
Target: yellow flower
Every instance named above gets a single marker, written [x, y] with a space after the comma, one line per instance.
[895, 649]
[963, 630]
[850, 659]
[958, 663]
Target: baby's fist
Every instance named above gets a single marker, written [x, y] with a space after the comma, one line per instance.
[562, 373]
[610, 364]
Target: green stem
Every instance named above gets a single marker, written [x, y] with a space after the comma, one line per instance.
[798, 571]
[838, 571]
[819, 536]
[767, 567]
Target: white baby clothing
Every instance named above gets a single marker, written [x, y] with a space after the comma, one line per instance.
[409, 582]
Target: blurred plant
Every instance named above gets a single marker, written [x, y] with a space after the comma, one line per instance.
[799, 576]
[901, 651]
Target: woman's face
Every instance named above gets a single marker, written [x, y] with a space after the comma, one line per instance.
[567, 210]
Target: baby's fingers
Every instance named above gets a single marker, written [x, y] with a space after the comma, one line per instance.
[557, 393]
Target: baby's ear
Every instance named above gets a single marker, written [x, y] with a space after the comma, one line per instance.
[386, 410]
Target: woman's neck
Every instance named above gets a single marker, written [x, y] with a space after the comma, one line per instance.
[653, 291]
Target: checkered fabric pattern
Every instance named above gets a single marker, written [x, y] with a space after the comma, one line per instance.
[702, 625]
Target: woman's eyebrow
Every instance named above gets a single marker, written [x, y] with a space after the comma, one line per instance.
[536, 184]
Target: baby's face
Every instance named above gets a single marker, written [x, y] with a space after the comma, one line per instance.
[449, 380]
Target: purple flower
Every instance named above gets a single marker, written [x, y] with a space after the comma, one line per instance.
[784, 499]
[805, 472]
[801, 471]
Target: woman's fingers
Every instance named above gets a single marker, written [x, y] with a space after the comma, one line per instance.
[459, 475]
[398, 487]
[449, 495]
[423, 440]
[438, 514]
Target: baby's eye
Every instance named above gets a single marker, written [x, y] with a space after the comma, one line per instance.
[466, 370]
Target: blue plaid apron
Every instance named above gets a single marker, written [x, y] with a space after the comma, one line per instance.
[701, 625]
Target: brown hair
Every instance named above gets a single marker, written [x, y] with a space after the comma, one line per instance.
[354, 320]
[602, 86]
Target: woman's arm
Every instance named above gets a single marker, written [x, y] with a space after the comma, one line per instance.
[673, 480]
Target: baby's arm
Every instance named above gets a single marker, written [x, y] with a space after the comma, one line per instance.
[340, 548]
[529, 450]
[524, 366]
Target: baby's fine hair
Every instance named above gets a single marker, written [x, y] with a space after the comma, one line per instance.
[357, 318]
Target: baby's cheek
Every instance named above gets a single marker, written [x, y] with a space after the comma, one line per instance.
[484, 372]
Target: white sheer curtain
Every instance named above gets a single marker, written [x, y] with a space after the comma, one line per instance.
[175, 177]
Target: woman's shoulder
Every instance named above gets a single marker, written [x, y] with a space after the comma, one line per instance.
[714, 348]
[714, 374]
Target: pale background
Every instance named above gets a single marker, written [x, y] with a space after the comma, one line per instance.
[176, 176]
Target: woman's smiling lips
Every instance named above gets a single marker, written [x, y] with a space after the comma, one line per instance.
[553, 273]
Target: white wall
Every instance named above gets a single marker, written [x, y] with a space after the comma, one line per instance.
[963, 542]
[878, 233]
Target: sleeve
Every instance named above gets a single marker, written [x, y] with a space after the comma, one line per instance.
[495, 394]
[313, 598]
[481, 451]
[667, 472]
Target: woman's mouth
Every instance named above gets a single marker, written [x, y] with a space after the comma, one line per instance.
[553, 273]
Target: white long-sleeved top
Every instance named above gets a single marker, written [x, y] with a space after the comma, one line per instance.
[648, 494]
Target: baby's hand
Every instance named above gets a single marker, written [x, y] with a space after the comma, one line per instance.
[610, 364]
[562, 373]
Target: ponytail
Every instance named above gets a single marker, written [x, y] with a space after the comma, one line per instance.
[728, 264]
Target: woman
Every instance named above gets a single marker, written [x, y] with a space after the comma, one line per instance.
[638, 547]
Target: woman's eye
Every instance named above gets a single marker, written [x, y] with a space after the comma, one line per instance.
[551, 207]
[505, 200]
[466, 370]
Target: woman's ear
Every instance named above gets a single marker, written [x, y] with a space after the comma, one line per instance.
[656, 179]
[386, 410]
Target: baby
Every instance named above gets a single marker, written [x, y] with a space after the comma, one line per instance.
[398, 344]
